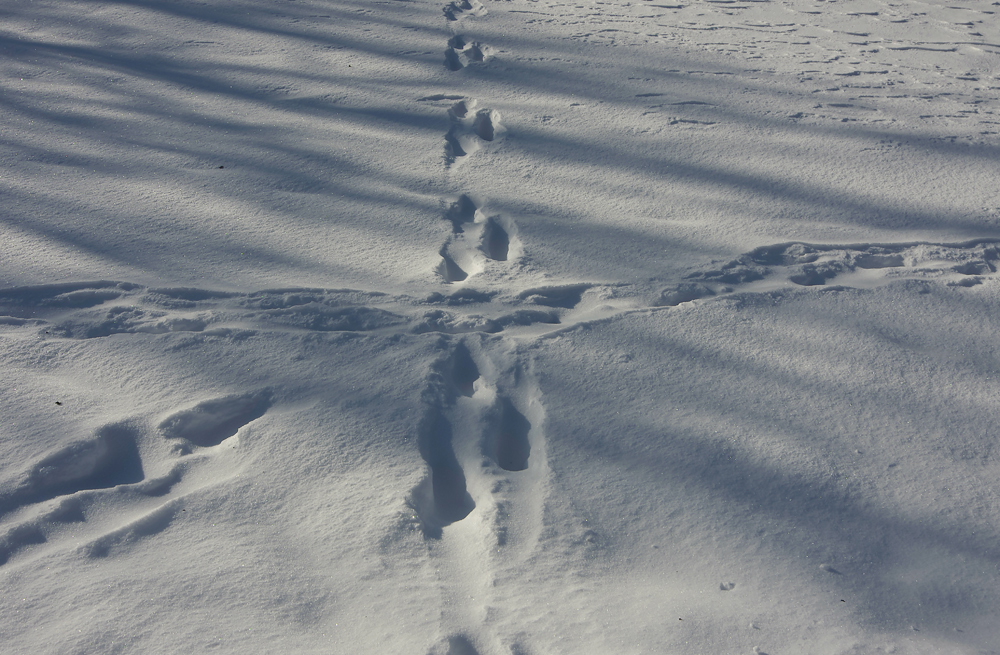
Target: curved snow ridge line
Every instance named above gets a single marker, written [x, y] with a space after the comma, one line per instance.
[148, 524]
[768, 268]
[72, 508]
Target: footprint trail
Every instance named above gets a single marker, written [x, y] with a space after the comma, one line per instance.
[481, 502]
[859, 266]
[442, 498]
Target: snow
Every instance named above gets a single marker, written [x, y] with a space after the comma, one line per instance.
[499, 327]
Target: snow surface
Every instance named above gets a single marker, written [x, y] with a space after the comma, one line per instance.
[506, 327]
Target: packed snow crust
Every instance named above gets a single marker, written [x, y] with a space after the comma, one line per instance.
[500, 327]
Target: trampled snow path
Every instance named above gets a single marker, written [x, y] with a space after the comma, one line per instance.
[88, 310]
[857, 266]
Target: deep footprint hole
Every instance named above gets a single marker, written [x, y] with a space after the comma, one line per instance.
[213, 421]
[464, 371]
[508, 440]
[452, 61]
[483, 125]
[450, 499]
[461, 645]
[450, 270]
[495, 241]
[462, 211]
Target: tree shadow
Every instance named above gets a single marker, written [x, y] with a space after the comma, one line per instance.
[189, 112]
[760, 443]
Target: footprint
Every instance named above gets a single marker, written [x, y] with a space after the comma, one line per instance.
[682, 293]
[438, 320]
[461, 645]
[449, 269]
[38, 301]
[462, 8]
[462, 53]
[878, 260]
[174, 298]
[322, 317]
[457, 141]
[475, 238]
[438, 97]
[462, 297]
[525, 317]
[469, 129]
[459, 259]
[442, 498]
[108, 459]
[18, 538]
[464, 255]
[461, 213]
[811, 275]
[320, 310]
[211, 422]
[164, 311]
[495, 240]
[462, 370]
[486, 123]
[100, 323]
[506, 435]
